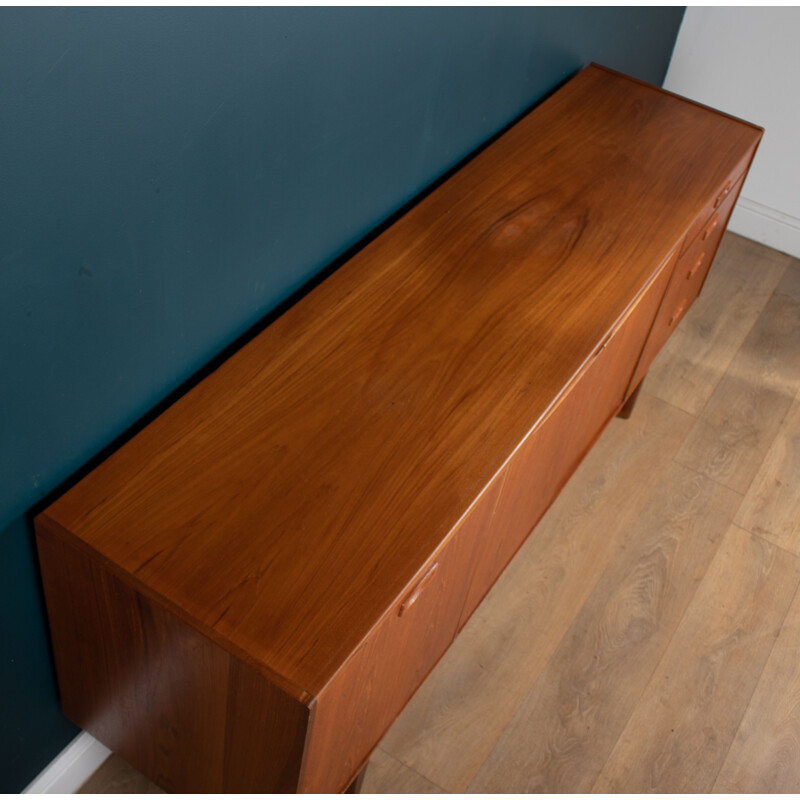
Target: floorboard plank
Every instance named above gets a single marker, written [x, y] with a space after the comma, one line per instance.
[680, 732]
[115, 776]
[771, 507]
[736, 428]
[765, 755]
[386, 775]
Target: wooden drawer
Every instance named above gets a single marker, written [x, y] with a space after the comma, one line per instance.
[708, 236]
[369, 691]
[729, 189]
[692, 267]
[688, 277]
[552, 452]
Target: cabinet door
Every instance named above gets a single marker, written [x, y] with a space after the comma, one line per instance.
[360, 702]
[552, 451]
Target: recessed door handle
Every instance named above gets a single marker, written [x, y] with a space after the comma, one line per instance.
[417, 590]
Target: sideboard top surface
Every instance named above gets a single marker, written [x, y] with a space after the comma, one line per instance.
[284, 503]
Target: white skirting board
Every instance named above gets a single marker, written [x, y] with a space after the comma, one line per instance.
[766, 225]
[70, 769]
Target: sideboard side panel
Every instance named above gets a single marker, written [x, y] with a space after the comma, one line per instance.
[144, 683]
[265, 737]
[166, 699]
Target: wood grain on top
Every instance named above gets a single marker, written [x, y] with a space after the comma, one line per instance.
[284, 504]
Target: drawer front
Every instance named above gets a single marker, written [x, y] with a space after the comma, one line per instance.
[551, 453]
[362, 700]
[729, 189]
[688, 277]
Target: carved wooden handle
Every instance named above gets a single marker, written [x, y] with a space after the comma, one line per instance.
[723, 194]
[697, 264]
[678, 311]
[417, 591]
[710, 227]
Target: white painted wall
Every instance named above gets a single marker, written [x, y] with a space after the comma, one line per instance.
[746, 61]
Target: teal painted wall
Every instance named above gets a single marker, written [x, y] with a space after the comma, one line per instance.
[170, 176]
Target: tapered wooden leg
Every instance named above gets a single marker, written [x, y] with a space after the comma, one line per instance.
[355, 786]
[627, 409]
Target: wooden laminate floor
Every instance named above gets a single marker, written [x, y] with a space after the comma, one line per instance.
[647, 635]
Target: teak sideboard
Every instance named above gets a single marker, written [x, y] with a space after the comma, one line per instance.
[245, 595]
